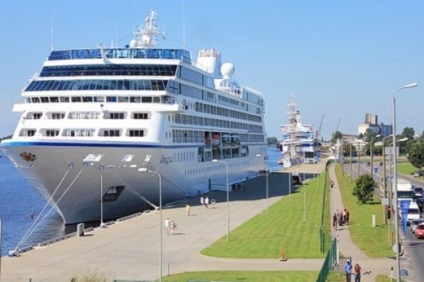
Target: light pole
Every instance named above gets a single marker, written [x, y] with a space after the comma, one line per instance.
[397, 248]
[160, 217]
[267, 190]
[228, 198]
[371, 157]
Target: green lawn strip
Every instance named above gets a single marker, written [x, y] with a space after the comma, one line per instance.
[259, 276]
[371, 240]
[406, 168]
[266, 235]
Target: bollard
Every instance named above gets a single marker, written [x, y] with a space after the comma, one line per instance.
[80, 229]
[283, 255]
[373, 220]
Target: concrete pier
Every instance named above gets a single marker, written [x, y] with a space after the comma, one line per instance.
[129, 250]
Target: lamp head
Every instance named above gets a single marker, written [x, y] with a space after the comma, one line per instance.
[410, 85]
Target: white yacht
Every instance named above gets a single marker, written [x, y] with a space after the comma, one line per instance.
[298, 144]
[104, 130]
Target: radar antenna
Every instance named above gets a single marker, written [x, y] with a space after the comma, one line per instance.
[146, 36]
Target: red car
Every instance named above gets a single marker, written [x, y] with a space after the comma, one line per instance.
[419, 231]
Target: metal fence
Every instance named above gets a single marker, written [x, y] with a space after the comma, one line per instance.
[329, 262]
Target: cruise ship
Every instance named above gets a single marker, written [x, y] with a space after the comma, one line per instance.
[109, 132]
[299, 144]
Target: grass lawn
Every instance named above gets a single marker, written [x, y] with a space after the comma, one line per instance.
[406, 168]
[374, 241]
[288, 225]
[259, 276]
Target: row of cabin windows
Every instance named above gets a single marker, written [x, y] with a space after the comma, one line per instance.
[203, 121]
[178, 136]
[87, 115]
[83, 132]
[109, 69]
[215, 110]
[96, 84]
[95, 99]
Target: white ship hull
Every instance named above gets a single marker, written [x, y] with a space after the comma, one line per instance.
[74, 187]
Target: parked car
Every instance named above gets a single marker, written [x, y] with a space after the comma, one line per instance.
[419, 231]
[418, 173]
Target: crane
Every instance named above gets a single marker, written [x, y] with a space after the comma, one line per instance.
[318, 132]
[338, 125]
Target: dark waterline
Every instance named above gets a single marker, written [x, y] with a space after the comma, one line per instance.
[20, 206]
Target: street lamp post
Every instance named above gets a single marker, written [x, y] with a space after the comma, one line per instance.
[371, 156]
[267, 190]
[160, 217]
[397, 248]
[228, 198]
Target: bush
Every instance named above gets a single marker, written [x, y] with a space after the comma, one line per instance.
[364, 189]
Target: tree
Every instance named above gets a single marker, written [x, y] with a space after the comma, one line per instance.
[416, 153]
[336, 135]
[408, 132]
[272, 141]
[364, 189]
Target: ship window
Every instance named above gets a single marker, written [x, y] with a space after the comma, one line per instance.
[76, 99]
[34, 115]
[58, 115]
[135, 99]
[146, 99]
[117, 115]
[110, 133]
[64, 99]
[28, 132]
[123, 99]
[52, 132]
[136, 133]
[99, 99]
[87, 99]
[111, 99]
[140, 116]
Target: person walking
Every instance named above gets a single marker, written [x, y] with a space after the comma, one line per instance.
[348, 270]
[166, 225]
[206, 202]
[188, 209]
[357, 270]
[335, 220]
[202, 201]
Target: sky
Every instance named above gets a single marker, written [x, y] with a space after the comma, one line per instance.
[339, 59]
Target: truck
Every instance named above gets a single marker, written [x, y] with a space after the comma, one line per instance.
[404, 189]
[405, 193]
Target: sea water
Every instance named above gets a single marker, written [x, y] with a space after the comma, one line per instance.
[20, 206]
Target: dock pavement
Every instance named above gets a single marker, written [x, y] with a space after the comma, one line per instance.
[129, 250]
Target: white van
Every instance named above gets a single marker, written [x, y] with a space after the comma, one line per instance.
[413, 212]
